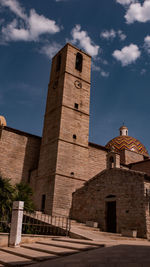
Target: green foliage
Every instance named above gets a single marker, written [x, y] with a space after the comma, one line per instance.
[7, 193]
[24, 193]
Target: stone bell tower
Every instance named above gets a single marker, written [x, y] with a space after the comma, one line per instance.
[64, 150]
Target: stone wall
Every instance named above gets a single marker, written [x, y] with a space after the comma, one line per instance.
[19, 154]
[127, 157]
[147, 204]
[96, 160]
[143, 166]
[89, 202]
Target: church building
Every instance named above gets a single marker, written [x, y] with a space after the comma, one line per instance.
[68, 174]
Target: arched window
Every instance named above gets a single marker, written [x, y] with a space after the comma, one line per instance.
[111, 162]
[79, 61]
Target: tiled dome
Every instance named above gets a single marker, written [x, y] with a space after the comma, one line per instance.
[126, 142]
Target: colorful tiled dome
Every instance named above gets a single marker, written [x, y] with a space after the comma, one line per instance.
[126, 142]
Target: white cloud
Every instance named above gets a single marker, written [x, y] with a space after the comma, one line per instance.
[127, 55]
[38, 25]
[121, 35]
[108, 34]
[50, 49]
[12, 33]
[84, 40]
[15, 7]
[147, 43]
[95, 67]
[138, 12]
[112, 34]
[143, 71]
[30, 27]
[125, 2]
[104, 74]
[100, 70]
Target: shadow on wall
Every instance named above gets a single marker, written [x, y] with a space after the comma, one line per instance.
[31, 157]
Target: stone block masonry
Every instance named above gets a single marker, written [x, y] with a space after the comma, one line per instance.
[19, 154]
[125, 187]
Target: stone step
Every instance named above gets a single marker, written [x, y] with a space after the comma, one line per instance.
[50, 249]
[84, 226]
[28, 254]
[78, 241]
[63, 244]
[81, 231]
[8, 259]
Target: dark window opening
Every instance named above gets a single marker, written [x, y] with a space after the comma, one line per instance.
[76, 105]
[79, 61]
[111, 162]
[43, 203]
[74, 136]
[110, 196]
[72, 173]
[111, 159]
[58, 65]
[29, 176]
[126, 132]
[120, 132]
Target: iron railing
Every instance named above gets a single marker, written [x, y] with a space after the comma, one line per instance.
[44, 224]
[5, 223]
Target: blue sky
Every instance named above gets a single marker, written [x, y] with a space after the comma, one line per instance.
[116, 33]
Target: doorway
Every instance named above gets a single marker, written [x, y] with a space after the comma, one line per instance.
[111, 216]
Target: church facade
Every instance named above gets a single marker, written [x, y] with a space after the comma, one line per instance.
[61, 164]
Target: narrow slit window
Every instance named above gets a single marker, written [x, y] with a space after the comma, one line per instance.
[79, 61]
[76, 105]
[74, 136]
[58, 64]
[29, 176]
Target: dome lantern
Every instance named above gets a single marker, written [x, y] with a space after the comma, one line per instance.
[123, 131]
[2, 121]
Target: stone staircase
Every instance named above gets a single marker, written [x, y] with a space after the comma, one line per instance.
[48, 249]
[81, 230]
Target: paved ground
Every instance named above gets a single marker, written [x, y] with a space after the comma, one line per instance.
[100, 250]
[60, 252]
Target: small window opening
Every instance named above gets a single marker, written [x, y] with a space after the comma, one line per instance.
[110, 196]
[111, 162]
[120, 132]
[79, 61]
[74, 136]
[72, 173]
[58, 64]
[76, 105]
[126, 132]
[29, 176]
